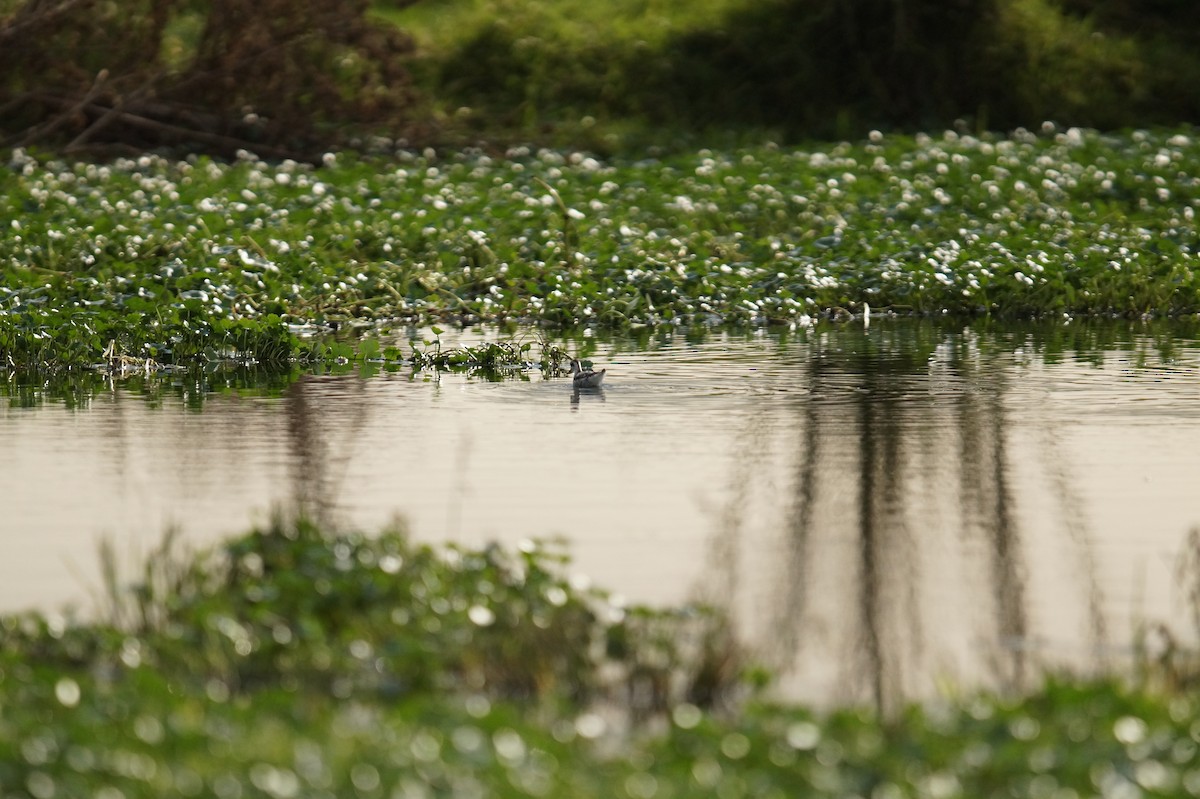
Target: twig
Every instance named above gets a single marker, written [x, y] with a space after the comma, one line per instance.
[566, 215]
[165, 128]
[18, 25]
[461, 302]
[257, 247]
[108, 117]
[391, 290]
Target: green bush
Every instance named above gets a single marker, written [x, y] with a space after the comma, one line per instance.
[814, 68]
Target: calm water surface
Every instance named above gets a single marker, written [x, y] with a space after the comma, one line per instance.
[885, 510]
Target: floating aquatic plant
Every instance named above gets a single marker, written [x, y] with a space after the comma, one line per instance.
[493, 359]
[184, 260]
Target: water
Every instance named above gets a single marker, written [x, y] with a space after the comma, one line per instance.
[886, 511]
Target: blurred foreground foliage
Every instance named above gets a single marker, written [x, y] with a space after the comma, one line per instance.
[294, 662]
[368, 617]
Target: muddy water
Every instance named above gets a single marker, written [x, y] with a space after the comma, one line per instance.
[886, 510]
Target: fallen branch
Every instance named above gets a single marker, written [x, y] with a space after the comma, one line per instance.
[183, 134]
[107, 118]
[269, 76]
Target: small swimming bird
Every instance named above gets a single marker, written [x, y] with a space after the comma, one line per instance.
[585, 378]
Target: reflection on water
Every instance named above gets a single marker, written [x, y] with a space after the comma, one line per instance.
[901, 481]
[883, 509]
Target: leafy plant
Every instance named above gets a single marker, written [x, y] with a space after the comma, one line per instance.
[291, 660]
[195, 261]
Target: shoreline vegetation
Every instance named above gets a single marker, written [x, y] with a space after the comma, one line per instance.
[197, 260]
[292, 661]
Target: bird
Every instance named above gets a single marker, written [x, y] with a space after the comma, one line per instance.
[585, 378]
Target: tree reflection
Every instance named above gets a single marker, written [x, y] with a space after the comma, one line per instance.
[320, 451]
[904, 560]
[987, 503]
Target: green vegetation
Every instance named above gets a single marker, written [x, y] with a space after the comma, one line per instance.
[196, 260]
[570, 71]
[291, 662]
[518, 355]
[491, 360]
[192, 387]
[290, 78]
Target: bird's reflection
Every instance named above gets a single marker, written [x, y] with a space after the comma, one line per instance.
[592, 394]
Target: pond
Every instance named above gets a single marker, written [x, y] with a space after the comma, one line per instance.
[887, 509]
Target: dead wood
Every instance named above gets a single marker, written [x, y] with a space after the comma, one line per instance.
[282, 78]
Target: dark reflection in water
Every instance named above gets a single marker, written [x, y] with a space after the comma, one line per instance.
[883, 509]
[902, 432]
[316, 463]
[853, 479]
[578, 395]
